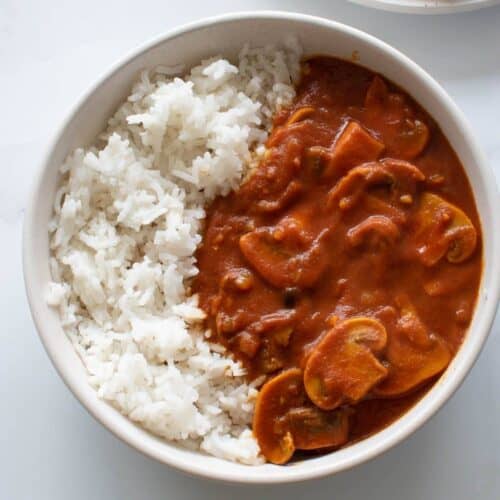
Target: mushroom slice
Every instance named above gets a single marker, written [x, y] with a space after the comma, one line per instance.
[278, 320]
[414, 355]
[285, 420]
[413, 136]
[343, 367]
[376, 229]
[443, 229]
[246, 343]
[315, 160]
[313, 428]
[374, 205]
[300, 114]
[290, 194]
[266, 339]
[398, 174]
[272, 354]
[270, 425]
[267, 336]
[280, 134]
[268, 183]
[354, 146]
[285, 256]
[404, 135]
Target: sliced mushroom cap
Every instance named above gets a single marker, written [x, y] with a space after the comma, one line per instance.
[290, 194]
[343, 367]
[268, 188]
[374, 205]
[285, 420]
[272, 332]
[398, 174]
[376, 229]
[275, 399]
[300, 114]
[286, 131]
[284, 256]
[315, 160]
[313, 428]
[246, 343]
[282, 318]
[414, 354]
[412, 138]
[266, 338]
[404, 135]
[443, 229]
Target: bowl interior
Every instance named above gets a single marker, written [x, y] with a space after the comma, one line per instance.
[225, 36]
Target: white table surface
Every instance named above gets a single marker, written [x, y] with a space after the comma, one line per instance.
[50, 448]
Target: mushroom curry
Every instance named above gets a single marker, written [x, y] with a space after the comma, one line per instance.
[345, 269]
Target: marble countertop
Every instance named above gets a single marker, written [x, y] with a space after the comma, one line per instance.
[50, 448]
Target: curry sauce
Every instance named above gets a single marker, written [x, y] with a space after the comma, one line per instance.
[345, 269]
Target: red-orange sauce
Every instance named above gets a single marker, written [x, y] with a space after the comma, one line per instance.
[271, 303]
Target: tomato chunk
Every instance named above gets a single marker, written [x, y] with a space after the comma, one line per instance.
[354, 146]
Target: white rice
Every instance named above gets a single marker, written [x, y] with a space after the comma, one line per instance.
[127, 221]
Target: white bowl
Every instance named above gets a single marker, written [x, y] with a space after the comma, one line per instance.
[427, 6]
[225, 35]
